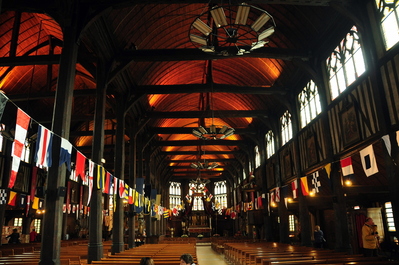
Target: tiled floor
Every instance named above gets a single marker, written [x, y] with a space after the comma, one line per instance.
[206, 256]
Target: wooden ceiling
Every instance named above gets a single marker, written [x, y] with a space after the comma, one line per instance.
[172, 86]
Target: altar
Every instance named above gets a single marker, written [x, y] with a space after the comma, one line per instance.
[195, 231]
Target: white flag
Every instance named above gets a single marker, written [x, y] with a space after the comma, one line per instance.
[368, 161]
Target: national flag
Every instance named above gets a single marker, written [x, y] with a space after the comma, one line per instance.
[369, 162]
[115, 187]
[65, 153]
[80, 166]
[233, 215]
[304, 186]
[21, 128]
[73, 175]
[43, 147]
[121, 188]
[3, 102]
[166, 214]
[100, 177]
[316, 182]
[277, 195]
[3, 196]
[346, 165]
[12, 199]
[294, 188]
[35, 204]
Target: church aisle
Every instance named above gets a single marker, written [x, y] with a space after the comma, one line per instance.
[205, 255]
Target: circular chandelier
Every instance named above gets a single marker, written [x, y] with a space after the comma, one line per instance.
[205, 165]
[232, 29]
[213, 133]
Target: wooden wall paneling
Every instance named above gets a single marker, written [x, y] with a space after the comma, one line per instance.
[390, 80]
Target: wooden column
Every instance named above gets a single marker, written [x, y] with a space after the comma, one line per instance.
[95, 247]
[54, 200]
[118, 228]
[132, 182]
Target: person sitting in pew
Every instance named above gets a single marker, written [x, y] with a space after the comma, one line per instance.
[146, 261]
[186, 259]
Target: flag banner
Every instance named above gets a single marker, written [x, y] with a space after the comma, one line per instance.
[22, 201]
[304, 186]
[41, 204]
[73, 176]
[100, 177]
[153, 194]
[91, 184]
[369, 162]
[3, 102]
[44, 147]
[294, 188]
[126, 195]
[397, 138]
[80, 166]
[136, 198]
[272, 197]
[115, 186]
[277, 195]
[121, 188]
[3, 196]
[130, 196]
[21, 129]
[107, 183]
[158, 199]
[316, 182]
[328, 170]
[346, 165]
[64, 208]
[140, 185]
[28, 200]
[35, 204]
[65, 153]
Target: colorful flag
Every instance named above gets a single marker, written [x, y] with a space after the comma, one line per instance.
[80, 166]
[316, 182]
[33, 183]
[107, 182]
[121, 188]
[12, 199]
[3, 196]
[369, 162]
[43, 147]
[22, 200]
[346, 165]
[304, 186]
[130, 196]
[91, 184]
[294, 187]
[35, 204]
[328, 170]
[65, 153]
[100, 177]
[21, 129]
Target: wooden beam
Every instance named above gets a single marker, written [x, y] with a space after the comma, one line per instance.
[207, 114]
[189, 130]
[234, 152]
[200, 142]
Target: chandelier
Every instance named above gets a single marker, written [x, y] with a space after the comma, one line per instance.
[232, 29]
[204, 165]
[199, 184]
[213, 133]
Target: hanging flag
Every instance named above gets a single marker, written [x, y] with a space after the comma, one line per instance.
[328, 169]
[126, 195]
[22, 200]
[100, 177]
[277, 195]
[21, 128]
[65, 153]
[304, 186]
[3, 102]
[35, 204]
[140, 185]
[80, 166]
[346, 165]
[107, 183]
[368, 161]
[316, 182]
[90, 184]
[28, 200]
[121, 188]
[115, 186]
[294, 188]
[130, 196]
[3, 196]
[43, 147]
[12, 199]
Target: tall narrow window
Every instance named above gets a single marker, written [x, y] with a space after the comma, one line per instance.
[198, 204]
[257, 157]
[286, 127]
[37, 224]
[389, 217]
[18, 221]
[389, 14]
[309, 102]
[270, 148]
[346, 63]
[174, 194]
[221, 193]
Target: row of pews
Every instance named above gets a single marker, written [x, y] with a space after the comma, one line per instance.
[271, 253]
[162, 254]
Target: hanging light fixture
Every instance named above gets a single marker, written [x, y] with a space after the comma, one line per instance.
[232, 29]
[203, 165]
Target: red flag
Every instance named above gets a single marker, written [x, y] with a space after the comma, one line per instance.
[12, 199]
[346, 165]
[21, 129]
[121, 188]
[304, 186]
[107, 182]
[80, 165]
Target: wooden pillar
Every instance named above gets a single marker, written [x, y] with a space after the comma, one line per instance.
[118, 228]
[95, 247]
[52, 221]
[132, 183]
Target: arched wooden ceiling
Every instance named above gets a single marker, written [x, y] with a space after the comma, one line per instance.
[151, 59]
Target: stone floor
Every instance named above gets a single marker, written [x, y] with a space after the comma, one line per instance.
[206, 256]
